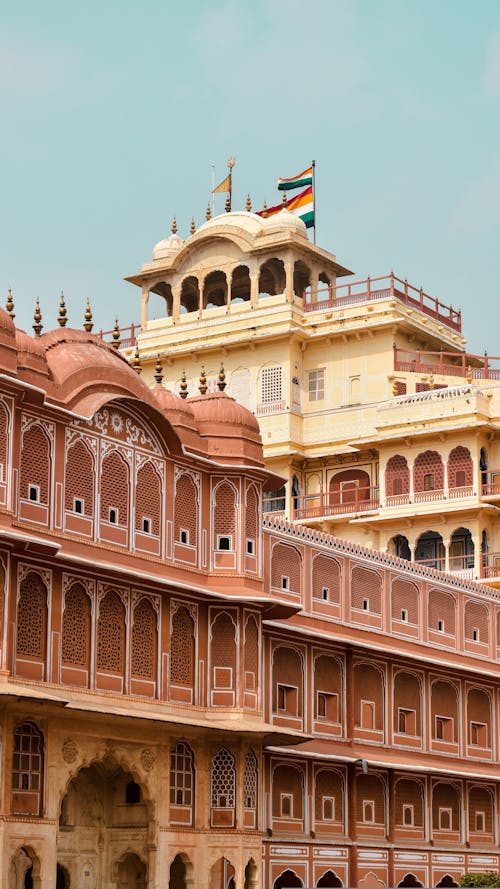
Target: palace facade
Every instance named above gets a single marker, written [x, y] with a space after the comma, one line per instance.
[193, 695]
[384, 427]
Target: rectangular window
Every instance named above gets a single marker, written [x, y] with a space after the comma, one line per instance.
[406, 721]
[184, 536]
[286, 698]
[480, 822]
[286, 805]
[223, 543]
[328, 808]
[367, 714]
[445, 822]
[78, 506]
[441, 626]
[34, 493]
[429, 481]
[404, 615]
[325, 593]
[113, 515]
[475, 634]
[250, 546]
[285, 582]
[146, 525]
[316, 384]
[366, 604]
[443, 728]
[478, 734]
[408, 815]
[354, 390]
[326, 706]
[368, 811]
[271, 384]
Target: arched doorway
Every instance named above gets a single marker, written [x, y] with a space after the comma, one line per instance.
[329, 879]
[62, 878]
[399, 546]
[24, 870]
[181, 873]
[411, 881]
[288, 880]
[131, 872]
[349, 487]
[447, 881]
[429, 550]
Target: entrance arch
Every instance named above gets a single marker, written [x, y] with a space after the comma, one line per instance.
[62, 878]
[330, 879]
[24, 870]
[131, 872]
[288, 880]
[410, 880]
[181, 873]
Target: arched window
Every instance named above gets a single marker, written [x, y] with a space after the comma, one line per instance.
[79, 480]
[444, 712]
[479, 719]
[481, 810]
[190, 295]
[181, 783]
[4, 442]
[407, 713]
[182, 648]
[272, 279]
[397, 477]
[366, 590]
[368, 697]
[186, 511]
[349, 487]
[251, 659]
[223, 780]
[114, 490]
[286, 568]
[326, 579]
[477, 622]
[287, 682]
[442, 611]
[35, 465]
[215, 290]
[328, 797]
[409, 803]
[404, 602]
[31, 625]
[223, 654]
[327, 689]
[75, 646]
[429, 550]
[250, 780]
[111, 635]
[240, 284]
[288, 792]
[144, 641]
[370, 800]
[148, 506]
[460, 468]
[445, 808]
[225, 517]
[428, 473]
[27, 770]
[252, 524]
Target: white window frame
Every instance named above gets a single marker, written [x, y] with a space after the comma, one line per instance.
[289, 797]
[445, 810]
[182, 532]
[409, 807]
[331, 800]
[483, 818]
[285, 582]
[368, 803]
[147, 519]
[250, 546]
[117, 515]
[229, 537]
[316, 384]
[36, 489]
[82, 502]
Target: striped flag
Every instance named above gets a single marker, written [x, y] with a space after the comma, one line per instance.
[304, 178]
[301, 205]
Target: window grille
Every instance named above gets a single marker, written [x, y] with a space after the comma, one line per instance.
[223, 780]
[250, 780]
[28, 761]
[76, 627]
[181, 775]
[79, 480]
[182, 648]
[316, 384]
[32, 617]
[144, 641]
[111, 635]
[271, 384]
[148, 499]
[186, 508]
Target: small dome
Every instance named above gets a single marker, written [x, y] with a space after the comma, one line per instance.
[230, 430]
[167, 247]
[7, 323]
[286, 220]
[250, 222]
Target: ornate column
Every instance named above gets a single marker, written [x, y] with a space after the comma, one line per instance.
[289, 279]
[176, 303]
[144, 307]
[254, 288]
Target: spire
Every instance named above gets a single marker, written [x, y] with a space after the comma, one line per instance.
[227, 205]
[136, 360]
[37, 317]
[184, 386]
[284, 201]
[203, 381]
[264, 212]
[248, 205]
[192, 228]
[222, 378]
[158, 370]
[61, 318]
[116, 335]
[208, 214]
[87, 318]
[9, 305]
[174, 226]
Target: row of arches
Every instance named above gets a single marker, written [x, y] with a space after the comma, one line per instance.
[430, 473]
[289, 879]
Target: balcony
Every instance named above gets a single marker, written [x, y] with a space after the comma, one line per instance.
[339, 503]
[385, 287]
[490, 565]
[491, 483]
[448, 364]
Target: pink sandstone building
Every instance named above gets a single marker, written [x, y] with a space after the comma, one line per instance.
[192, 696]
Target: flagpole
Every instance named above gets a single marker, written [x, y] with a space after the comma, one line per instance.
[314, 196]
[213, 186]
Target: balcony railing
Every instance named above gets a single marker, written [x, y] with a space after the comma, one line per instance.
[127, 336]
[430, 496]
[337, 503]
[270, 407]
[448, 364]
[490, 565]
[491, 484]
[385, 287]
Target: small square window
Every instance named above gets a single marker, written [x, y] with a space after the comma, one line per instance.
[113, 516]
[250, 547]
[184, 536]
[441, 626]
[286, 807]
[325, 593]
[368, 811]
[475, 634]
[285, 582]
[78, 506]
[480, 822]
[404, 615]
[224, 543]
[408, 815]
[316, 383]
[445, 819]
[146, 525]
[429, 481]
[34, 493]
[366, 604]
[328, 808]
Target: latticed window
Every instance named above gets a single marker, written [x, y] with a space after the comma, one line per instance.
[286, 562]
[111, 634]
[115, 488]
[76, 627]
[316, 384]
[366, 586]
[326, 579]
[251, 654]
[79, 479]
[250, 780]
[429, 472]
[397, 476]
[328, 787]
[27, 765]
[182, 648]
[144, 641]
[186, 510]
[223, 647]
[225, 513]
[460, 468]
[35, 464]
[181, 775]
[223, 780]
[32, 617]
[4, 425]
[148, 499]
[251, 516]
[271, 384]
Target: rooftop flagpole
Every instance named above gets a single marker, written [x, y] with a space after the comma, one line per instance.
[314, 195]
[213, 187]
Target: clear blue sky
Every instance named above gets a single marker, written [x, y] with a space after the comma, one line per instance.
[111, 113]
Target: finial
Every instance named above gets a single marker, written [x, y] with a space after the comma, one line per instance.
[248, 205]
[116, 335]
[227, 205]
[394, 387]
[184, 386]
[193, 226]
[87, 318]
[61, 318]
[9, 305]
[264, 212]
[136, 360]
[203, 381]
[222, 378]
[431, 380]
[208, 214]
[37, 317]
[284, 200]
[158, 370]
[174, 226]
[469, 374]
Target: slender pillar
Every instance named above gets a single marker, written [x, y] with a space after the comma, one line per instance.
[144, 308]
[176, 304]
[254, 289]
[289, 279]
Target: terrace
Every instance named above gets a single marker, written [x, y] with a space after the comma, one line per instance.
[448, 364]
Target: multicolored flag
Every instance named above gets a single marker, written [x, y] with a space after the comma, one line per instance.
[301, 205]
[304, 178]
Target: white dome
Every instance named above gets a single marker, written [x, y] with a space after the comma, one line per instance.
[251, 222]
[286, 220]
[167, 247]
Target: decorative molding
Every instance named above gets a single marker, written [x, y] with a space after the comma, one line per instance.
[68, 580]
[69, 750]
[155, 601]
[194, 476]
[117, 425]
[74, 435]
[148, 759]
[175, 604]
[27, 422]
[23, 569]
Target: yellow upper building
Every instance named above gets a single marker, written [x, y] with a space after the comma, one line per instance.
[370, 408]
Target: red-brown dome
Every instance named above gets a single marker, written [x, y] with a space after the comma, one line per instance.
[231, 431]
